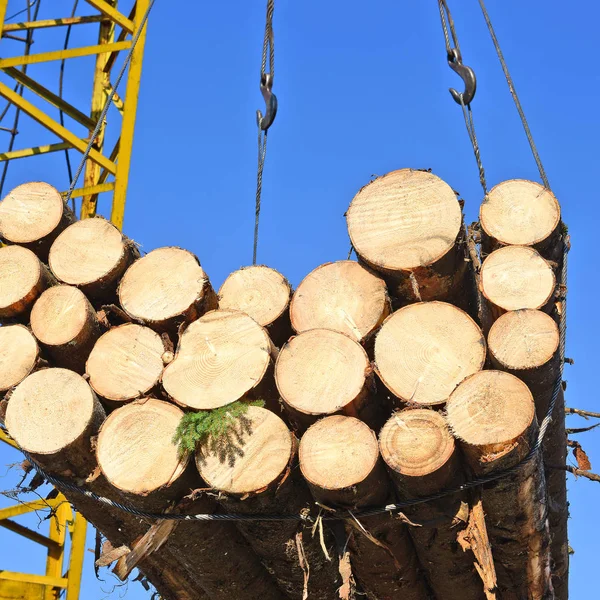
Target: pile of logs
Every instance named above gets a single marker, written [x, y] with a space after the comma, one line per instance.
[428, 363]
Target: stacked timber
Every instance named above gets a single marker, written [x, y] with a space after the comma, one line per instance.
[374, 383]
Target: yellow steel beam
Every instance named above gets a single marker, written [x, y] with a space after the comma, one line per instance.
[62, 132]
[54, 560]
[59, 582]
[34, 151]
[7, 440]
[22, 509]
[51, 97]
[34, 536]
[17, 590]
[3, 5]
[33, 59]
[76, 558]
[45, 23]
[113, 55]
[110, 11]
[92, 189]
[127, 128]
[117, 100]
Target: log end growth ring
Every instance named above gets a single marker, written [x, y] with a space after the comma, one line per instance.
[221, 357]
[87, 251]
[403, 220]
[343, 296]
[320, 371]
[260, 292]
[135, 446]
[49, 410]
[20, 272]
[424, 350]
[18, 355]
[519, 212]
[30, 212]
[338, 452]
[126, 362]
[265, 448]
[523, 339]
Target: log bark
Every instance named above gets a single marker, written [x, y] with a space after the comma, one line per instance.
[33, 215]
[343, 296]
[493, 416]
[19, 355]
[263, 294]
[517, 277]
[323, 372]
[525, 344]
[138, 457]
[93, 255]
[22, 279]
[221, 358]
[422, 460]
[407, 226]
[126, 363]
[423, 351]
[522, 213]
[339, 459]
[65, 323]
[165, 289]
[257, 477]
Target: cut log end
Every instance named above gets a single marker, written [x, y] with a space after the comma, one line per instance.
[489, 410]
[220, 358]
[18, 355]
[50, 410]
[416, 443]
[523, 339]
[22, 280]
[338, 456]
[135, 448]
[168, 284]
[30, 212]
[260, 292]
[519, 212]
[126, 362]
[423, 351]
[403, 220]
[343, 296]
[263, 450]
[91, 254]
[516, 277]
[320, 372]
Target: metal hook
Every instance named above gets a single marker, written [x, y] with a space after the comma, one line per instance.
[266, 85]
[466, 74]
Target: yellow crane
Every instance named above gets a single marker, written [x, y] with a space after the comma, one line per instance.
[111, 31]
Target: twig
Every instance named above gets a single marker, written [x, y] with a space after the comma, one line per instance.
[581, 429]
[582, 413]
[577, 472]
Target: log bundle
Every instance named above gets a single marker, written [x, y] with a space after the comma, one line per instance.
[372, 384]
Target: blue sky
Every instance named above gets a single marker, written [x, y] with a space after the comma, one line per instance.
[362, 90]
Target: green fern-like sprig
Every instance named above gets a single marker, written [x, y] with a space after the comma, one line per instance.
[214, 428]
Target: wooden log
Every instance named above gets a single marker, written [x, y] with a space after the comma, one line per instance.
[262, 293]
[22, 279]
[407, 225]
[517, 277]
[321, 372]
[422, 459]
[522, 213]
[93, 255]
[525, 344]
[65, 323]
[166, 288]
[221, 358]
[33, 215]
[137, 455]
[126, 363]
[423, 351]
[339, 459]
[256, 477]
[343, 296]
[492, 414]
[56, 416]
[19, 356]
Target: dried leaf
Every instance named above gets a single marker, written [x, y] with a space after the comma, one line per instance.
[583, 462]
